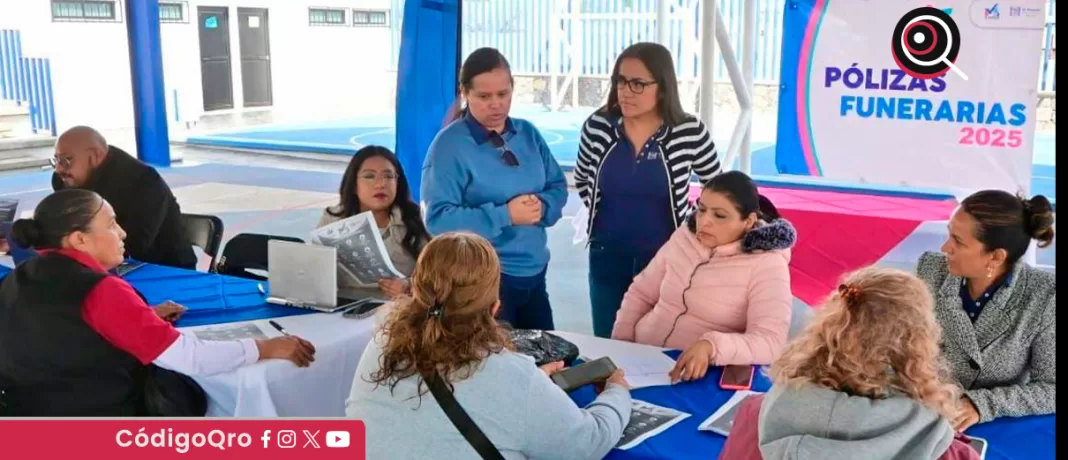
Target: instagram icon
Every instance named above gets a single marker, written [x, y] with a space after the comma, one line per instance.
[287, 439]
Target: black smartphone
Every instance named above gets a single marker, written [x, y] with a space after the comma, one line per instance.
[363, 309]
[594, 371]
[737, 378]
[126, 267]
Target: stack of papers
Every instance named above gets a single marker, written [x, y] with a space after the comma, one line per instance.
[8, 207]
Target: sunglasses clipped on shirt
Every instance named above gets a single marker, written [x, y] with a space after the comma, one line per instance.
[506, 154]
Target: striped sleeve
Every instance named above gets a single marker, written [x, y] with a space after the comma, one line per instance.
[694, 136]
[593, 142]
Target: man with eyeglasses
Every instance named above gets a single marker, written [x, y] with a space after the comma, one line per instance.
[144, 205]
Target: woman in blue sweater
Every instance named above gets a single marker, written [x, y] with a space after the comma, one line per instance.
[494, 175]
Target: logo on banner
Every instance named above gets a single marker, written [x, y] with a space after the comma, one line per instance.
[1023, 11]
[926, 43]
[992, 12]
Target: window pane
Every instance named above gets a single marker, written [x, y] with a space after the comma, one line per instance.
[321, 16]
[170, 12]
[98, 10]
[67, 10]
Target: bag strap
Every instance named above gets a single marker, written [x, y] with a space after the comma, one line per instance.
[460, 419]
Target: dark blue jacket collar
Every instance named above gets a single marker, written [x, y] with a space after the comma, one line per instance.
[480, 133]
[617, 123]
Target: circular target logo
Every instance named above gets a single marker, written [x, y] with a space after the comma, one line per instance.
[926, 43]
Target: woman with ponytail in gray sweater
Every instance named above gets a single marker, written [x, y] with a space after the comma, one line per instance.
[445, 330]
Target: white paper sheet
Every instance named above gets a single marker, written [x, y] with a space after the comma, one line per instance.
[643, 365]
[645, 371]
[233, 331]
[362, 256]
[647, 420]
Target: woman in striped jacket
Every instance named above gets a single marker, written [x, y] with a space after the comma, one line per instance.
[636, 157]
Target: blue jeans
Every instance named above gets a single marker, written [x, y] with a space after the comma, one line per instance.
[613, 266]
[525, 302]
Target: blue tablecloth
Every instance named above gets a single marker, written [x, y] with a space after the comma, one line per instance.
[210, 298]
[1028, 438]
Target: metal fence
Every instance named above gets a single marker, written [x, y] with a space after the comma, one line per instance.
[27, 80]
[539, 37]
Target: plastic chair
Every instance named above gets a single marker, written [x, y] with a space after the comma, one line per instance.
[248, 251]
[204, 232]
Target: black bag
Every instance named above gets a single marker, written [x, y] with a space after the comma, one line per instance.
[460, 419]
[544, 347]
[172, 394]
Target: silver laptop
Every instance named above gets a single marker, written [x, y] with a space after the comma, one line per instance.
[304, 276]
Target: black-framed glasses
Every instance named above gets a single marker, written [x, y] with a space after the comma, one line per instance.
[635, 85]
[506, 154]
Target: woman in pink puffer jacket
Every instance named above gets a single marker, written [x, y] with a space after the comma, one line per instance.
[720, 287]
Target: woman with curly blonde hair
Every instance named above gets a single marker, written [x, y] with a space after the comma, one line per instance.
[864, 380]
[445, 333]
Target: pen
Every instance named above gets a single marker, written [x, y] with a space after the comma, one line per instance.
[277, 326]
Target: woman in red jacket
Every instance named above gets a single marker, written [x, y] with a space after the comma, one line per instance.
[76, 341]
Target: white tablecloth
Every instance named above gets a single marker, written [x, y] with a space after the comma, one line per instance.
[279, 388]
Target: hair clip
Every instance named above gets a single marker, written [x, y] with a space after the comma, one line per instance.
[850, 294]
[435, 311]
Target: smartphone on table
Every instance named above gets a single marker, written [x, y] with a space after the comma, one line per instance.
[363, 309]
[597, 370]
[737, 377]
[979, 444]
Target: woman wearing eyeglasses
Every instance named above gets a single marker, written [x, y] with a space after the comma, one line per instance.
[494, 175]
[636, 156]
[374, 181]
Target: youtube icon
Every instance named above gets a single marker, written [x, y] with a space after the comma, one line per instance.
[337, 439]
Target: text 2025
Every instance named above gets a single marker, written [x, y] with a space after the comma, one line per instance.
[991, 137]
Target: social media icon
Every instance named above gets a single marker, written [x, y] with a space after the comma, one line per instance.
[287, 439]
[311, 439]
[337, 439]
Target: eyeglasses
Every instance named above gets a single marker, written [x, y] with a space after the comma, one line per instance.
[636, 86]
[56, 162]
[498, 142]
[371, 178]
